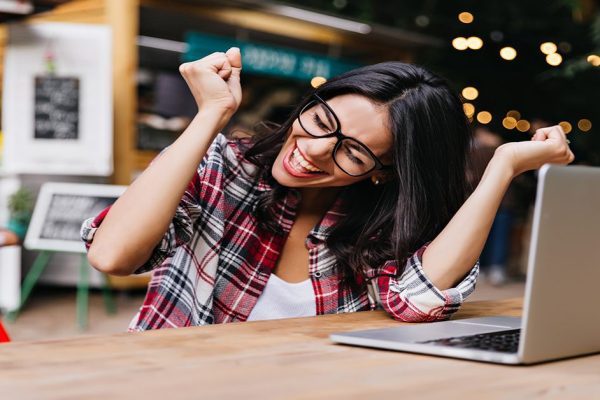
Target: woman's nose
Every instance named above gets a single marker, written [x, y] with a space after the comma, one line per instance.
[321, 148]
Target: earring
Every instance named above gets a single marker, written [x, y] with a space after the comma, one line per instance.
[376, 181]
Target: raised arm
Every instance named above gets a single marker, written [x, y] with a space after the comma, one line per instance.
[456, 249]
[140, 217]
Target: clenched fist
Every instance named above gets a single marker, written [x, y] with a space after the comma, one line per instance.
[215, 82]
[548, 145]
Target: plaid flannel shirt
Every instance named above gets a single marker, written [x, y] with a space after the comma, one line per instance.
[214, 261]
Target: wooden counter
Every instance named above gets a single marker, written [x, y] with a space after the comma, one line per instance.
[275, 359]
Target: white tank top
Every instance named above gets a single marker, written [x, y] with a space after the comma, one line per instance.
[282, 299]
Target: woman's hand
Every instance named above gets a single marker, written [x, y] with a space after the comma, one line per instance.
[548, 145]
[215, 82]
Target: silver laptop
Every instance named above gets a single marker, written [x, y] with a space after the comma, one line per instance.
[561, 314]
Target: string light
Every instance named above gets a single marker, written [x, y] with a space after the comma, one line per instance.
[584, 125]
[470, 93]
[566, 127]
[554, 59]
[460, 43]
[317, 81]
[465, 17]
[484, 117]
[548, 48]
[474, 43]
[523, 125]
[469, 109]
[508, 53]
[509, 123]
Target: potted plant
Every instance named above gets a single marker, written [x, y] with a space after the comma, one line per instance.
[20, 207]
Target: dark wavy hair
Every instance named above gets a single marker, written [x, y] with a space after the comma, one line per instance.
[431, 139]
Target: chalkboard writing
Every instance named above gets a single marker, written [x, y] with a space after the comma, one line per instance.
[56, 108]
[66, 212]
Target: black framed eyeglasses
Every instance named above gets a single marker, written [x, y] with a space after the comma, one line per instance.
[349, 154]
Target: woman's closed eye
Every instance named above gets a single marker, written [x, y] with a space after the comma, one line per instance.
[317, 120]
[351, 156]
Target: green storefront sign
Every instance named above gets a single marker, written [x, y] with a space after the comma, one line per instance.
[268, 60]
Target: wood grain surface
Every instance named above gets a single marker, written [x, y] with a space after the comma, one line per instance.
[275, 359]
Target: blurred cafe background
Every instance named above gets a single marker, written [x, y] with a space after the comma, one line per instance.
[91, 93]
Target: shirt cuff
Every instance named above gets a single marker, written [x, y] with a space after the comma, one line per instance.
[90, 226]
[160, 253]
[412, 297]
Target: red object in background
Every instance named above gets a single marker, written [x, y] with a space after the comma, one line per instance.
[3, 335]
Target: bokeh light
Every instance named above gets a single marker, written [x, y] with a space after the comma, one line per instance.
[508, 53]
[584, 125]
[594, 60]
[465, 17]
[474, 43]
[422, 21]
[484, 117]
[514, 114]
[460, 43]
[469, 109]
[548, 48]
[523, 125]
[554, 59]
[470, 93]
[509, 123]
[317, 81]
[566, 127]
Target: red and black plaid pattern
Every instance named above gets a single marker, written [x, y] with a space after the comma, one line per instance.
[214, 261]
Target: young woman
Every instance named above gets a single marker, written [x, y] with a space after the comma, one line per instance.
[356, 202]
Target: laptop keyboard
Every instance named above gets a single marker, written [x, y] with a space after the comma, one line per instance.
[503, 342]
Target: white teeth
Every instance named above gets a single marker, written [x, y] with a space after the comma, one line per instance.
[302, 161]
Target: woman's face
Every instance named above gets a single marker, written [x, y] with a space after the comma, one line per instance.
[306, 161]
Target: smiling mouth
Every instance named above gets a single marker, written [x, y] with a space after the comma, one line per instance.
[301, 165]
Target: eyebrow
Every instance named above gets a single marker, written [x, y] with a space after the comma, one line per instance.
[356, 147]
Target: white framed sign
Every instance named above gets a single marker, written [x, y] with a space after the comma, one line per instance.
[60, 121]
[60, 210]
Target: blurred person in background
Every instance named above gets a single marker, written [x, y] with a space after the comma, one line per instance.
[358, 201]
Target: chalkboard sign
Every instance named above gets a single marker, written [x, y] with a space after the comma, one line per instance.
[56, 108]
[60, 210]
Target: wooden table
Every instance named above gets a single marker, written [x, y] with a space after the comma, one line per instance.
[275, 359]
